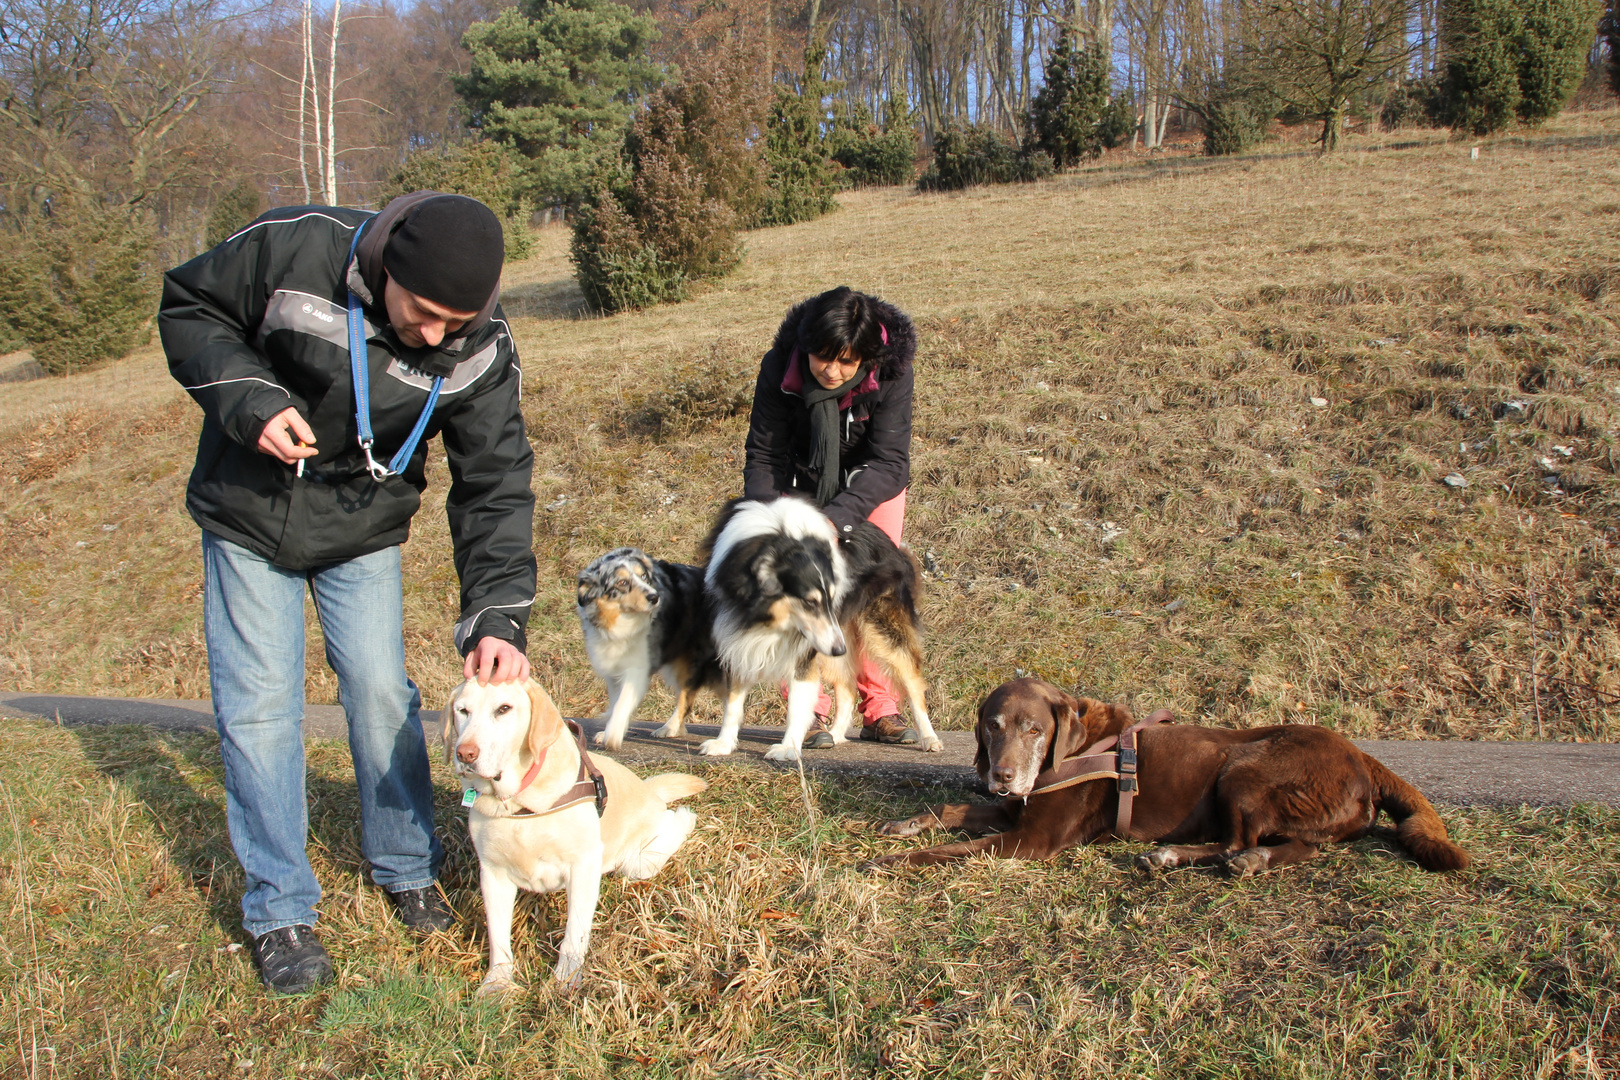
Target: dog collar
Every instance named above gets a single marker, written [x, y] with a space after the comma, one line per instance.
[1106, 759]
[589, 783]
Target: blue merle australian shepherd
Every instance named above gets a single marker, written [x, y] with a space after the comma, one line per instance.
[791, 601]
[643, 615]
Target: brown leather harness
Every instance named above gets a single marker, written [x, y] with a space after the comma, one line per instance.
[1111, 758]
[588, 784]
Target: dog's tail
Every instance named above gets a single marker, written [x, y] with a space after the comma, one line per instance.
[1420, 829]
[673, 786]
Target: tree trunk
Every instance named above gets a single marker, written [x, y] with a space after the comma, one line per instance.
[331, 111]
[304, 81]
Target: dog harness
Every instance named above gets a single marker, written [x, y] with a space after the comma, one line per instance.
[1110, 758]
[588, 784]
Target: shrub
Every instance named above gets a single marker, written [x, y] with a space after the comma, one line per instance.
[873, 156]
[966, 155]
[1066, 114]
[234, 210]
[1510, 59]
[78, 286]
[800, 181]
[1117, 123]
[1552, 54]
[653, 227]
[1233, 123]
[1410, 103]
[493, 174]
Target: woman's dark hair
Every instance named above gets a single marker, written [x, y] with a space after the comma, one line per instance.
[842, 319]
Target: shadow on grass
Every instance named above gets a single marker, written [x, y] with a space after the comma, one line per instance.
[555, 300]
[179, 778]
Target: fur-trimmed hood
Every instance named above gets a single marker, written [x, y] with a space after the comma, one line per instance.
[897, 355]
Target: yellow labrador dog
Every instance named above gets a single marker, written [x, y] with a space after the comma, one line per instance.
[545, 815]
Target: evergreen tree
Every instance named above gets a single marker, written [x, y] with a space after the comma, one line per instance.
[801, 180]
[1479, 91]
[235, 209]
[1508, 59]
[558, 80]
[1069, 108]
[493, 174]
[1552, 54]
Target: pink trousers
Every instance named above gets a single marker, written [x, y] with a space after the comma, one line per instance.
[877, 696]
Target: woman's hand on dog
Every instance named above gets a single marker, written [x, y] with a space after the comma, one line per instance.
[495, 660]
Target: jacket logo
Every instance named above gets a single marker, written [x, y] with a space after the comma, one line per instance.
[309, 309]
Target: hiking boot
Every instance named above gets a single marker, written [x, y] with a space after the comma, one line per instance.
[423, 911]
[292, 960]
[818, 737]
[888, 729]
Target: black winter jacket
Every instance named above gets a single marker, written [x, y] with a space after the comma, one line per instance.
[874, 424]
[260, 323]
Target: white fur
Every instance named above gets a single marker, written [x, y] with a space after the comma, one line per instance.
[486, 734]
[790, 517]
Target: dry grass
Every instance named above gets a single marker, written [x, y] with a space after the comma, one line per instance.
[1120, 479]
[763, 950]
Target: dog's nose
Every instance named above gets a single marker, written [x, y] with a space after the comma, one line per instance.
[466, 753]
[1003, 774]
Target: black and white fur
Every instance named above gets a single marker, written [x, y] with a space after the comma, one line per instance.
[642, 615]
[791, 601]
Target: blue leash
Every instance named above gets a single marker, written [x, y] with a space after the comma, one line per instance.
[362, 390]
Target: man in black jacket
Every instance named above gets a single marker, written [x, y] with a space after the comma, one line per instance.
[311, 463]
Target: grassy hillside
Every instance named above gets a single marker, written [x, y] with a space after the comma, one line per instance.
[1183, 435]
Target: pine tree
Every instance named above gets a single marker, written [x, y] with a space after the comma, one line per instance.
[558, 80]
[801, 182]
[1069, 108]
[493, 174]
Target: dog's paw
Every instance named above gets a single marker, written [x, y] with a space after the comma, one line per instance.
[1157, 859]
[905, 827]
[499, 981]
[716, 747]
[570, 971]
[780, 752]
[882, 862]
[1245, 864]
[932, 745]
[608, 741]
[671, 730]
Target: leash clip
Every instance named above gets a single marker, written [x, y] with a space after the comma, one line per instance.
[601, 794]
[379, 472]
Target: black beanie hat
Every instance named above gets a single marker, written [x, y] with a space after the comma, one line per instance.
[448, 250]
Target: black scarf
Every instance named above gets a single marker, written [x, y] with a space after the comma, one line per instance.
[824, 441]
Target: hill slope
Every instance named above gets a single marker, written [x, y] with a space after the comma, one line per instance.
[1183, 435]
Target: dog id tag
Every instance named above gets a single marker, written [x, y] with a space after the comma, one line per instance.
[469, 797]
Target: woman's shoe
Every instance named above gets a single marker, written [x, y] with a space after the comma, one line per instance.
[888, 729]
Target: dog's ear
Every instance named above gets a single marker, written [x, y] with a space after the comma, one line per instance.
[981, 758]
[447, 721]
[765, 573]
[544, 719]
[1068, 725]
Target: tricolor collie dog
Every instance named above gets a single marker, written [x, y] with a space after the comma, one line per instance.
[791, 601]
[642, 615]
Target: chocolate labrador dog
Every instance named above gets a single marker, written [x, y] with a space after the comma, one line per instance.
[1248, 799]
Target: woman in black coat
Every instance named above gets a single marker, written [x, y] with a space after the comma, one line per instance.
[832, 421]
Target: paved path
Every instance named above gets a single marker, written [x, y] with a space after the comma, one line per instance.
[1455, 772]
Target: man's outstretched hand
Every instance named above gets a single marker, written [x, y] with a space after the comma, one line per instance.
[496, 660]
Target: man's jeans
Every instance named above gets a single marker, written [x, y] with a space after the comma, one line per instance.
[253, 619]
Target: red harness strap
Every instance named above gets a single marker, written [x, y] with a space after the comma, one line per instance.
[588, 783]
[1111, 758]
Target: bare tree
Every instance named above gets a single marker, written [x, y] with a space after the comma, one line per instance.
[1319, 53]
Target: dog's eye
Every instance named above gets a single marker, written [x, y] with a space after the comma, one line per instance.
[503, 710]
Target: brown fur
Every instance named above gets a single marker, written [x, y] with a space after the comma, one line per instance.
[1249, 799]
